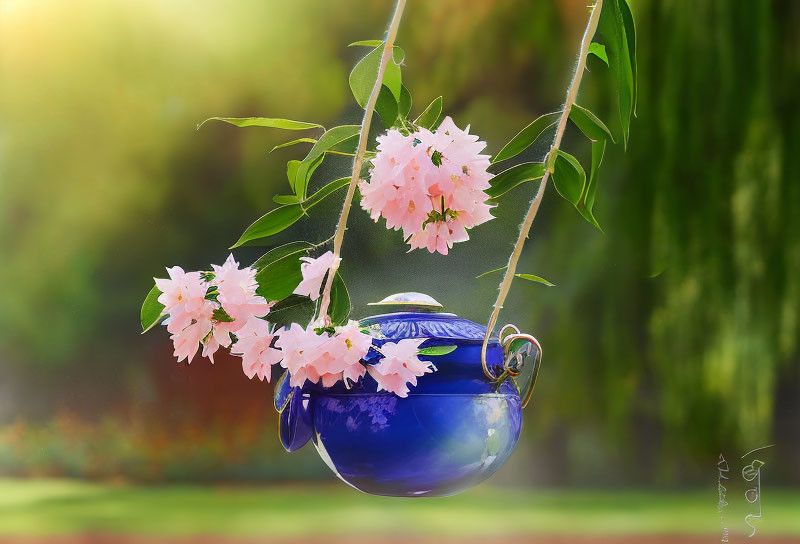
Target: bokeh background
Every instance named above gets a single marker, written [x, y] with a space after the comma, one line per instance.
[668, 340]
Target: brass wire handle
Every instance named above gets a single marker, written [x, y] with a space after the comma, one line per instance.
[513, 361]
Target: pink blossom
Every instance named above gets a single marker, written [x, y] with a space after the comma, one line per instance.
[190, 314]
[314, 271]
[400, 366]
[237, 296]
[323, 357]
[253, 345]
[423, 180]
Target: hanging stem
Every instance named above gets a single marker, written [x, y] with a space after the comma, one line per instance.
[358, 161]
[572, 93]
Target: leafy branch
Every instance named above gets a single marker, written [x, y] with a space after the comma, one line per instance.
[615, 23]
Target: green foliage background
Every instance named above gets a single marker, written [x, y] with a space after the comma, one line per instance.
[668, 339]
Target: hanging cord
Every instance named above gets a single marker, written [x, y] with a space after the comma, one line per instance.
[524, 230]
[358, 161]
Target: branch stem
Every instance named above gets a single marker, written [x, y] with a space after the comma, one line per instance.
[525, 228]
[358, 161]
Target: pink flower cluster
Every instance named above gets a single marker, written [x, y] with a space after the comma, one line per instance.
[326, 357]
[207, 308]
[221, 309]
[429, 184]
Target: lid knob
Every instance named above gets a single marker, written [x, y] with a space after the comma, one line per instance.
[418, 302]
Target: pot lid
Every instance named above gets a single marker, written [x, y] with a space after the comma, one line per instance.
[417, 315]
[410, 302]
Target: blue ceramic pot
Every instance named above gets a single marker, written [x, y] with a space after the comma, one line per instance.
[455, 429]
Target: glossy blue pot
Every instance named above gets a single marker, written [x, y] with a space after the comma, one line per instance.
[457, 426]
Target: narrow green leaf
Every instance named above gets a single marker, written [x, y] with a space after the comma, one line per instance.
[404, 102]
[630, 35]
[294, 142]
[612, 27]
[437, 350]
[151, 310]
[362, 78]
[366, 43]
[568, 176]
[431, 114]
[339, 309]
[527, 136]
[589, 123]
[586, 203]
[538, 279]
[271, 223]
[296, 249]
[516, 175]
[598, 50]
[270, 122]
[285, 199]
[491, 272]
[387, 107]
[325, 191]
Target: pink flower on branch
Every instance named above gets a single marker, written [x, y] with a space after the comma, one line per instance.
[314, 271]
[429, 184]
[400, 366]
[254, 346]
[207, 308]
[322, 357]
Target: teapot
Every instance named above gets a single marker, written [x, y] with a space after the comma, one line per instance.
[455, 428]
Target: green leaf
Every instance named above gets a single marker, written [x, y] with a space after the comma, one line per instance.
[345, 147]
[387, 107]
[294, 142]
[538, 279]
[285, 124]
[292, 309]
[431, 114]
[291, 171]
[516, 175]
[527, 136]
[151, 310]
[285, 199]
[304, 173]
[630, 35]
[365, 72]
[590, 125]
[271, 223]
[278, 279]
[568, 176]
[586, 203]
[325, 191]
[491, 271]
[437, 350]
[598, 50]
[612, 27]
[404, 103]
[221, 316]
[331, 139]
[366, 43]
[296, 249]
[339, 309]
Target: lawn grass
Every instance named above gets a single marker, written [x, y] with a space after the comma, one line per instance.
[47, 507]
